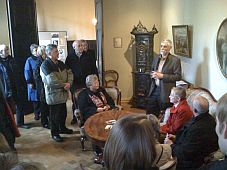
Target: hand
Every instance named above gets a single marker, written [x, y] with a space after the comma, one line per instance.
[100, 109]
[67, 86]
[32, 86]
[171, 137]
[168, 139]
[107, 107]
[156, 75]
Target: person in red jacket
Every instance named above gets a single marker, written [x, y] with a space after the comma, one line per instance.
[180, 113]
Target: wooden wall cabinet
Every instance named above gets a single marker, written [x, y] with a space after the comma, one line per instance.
[141, 70]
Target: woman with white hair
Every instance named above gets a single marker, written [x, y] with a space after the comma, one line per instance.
[92, 100]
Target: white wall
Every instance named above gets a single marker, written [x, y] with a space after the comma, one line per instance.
[73, 16]
[204, 17]
[4, 33]
[120, 16]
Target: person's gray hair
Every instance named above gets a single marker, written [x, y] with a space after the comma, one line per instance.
[90, 79]
[169, 42]
[49, 48]
[83, 41]
[76, 44]
[200, 105]
[41, 50]
[33, 46]
[2, 47]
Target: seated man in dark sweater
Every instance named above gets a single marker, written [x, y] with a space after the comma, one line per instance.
[92, 100]
[197, 139]
[221, 130]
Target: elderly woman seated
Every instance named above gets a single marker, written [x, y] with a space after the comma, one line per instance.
[180, 113]
[92, 100]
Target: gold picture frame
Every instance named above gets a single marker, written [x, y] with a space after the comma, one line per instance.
[181, 41]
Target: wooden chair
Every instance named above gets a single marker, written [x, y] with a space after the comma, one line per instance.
[79, 118]
[111, 78]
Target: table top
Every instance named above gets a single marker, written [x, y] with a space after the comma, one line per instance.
[95, 125]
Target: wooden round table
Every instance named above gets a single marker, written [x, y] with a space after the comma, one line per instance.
[95, 125]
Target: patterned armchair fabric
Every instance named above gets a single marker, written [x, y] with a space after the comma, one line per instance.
[191, 93]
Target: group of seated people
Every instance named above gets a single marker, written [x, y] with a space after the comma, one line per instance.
[133, 142]
[139, 142]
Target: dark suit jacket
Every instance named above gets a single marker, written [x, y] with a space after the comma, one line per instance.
[216, 165]
[172, 73]
[196, 140]
[81, 68]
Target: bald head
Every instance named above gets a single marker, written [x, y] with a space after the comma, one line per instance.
[200, 105]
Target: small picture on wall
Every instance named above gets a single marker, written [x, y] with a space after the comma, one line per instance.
[181, 40]
[117, 42]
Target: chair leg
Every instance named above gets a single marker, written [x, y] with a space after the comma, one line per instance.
[82, 139]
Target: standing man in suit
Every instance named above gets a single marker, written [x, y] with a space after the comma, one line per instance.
[165, 71]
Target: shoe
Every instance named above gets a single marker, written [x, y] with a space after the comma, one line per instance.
[73, 121]
[24, 126]
[36, 118]
[99, 160]
[46, 126]
[66, 131]
[57, 138]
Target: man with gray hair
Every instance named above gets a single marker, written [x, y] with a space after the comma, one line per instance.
[81, 65]
[197, 139]
[57, 79]
[165, 71]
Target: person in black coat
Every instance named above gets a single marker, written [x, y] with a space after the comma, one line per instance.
[11, 84]
[92, 100]
[82, 65]
[221, 130]
[197, 139]
[7, 127]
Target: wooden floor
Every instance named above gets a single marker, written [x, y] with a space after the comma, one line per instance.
[36, 145]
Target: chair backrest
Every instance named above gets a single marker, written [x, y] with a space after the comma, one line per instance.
[111, 78]
[77, 113]
[114, 93]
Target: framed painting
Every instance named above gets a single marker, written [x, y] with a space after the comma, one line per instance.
[221, 47]
[181, 40]
[117, 42]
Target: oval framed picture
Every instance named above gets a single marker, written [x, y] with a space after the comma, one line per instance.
[221, 47]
